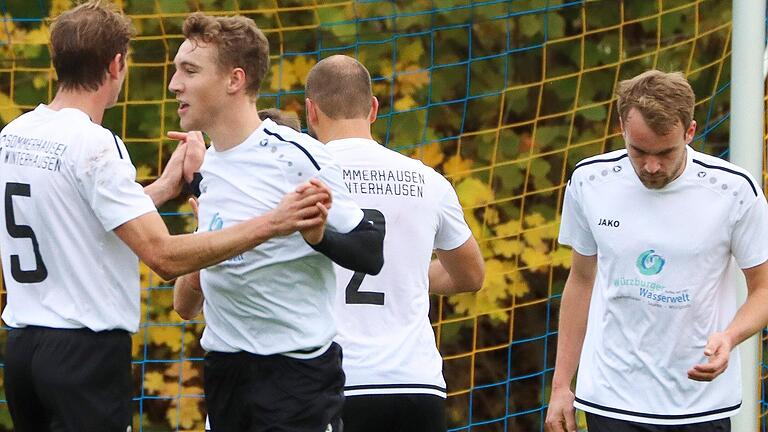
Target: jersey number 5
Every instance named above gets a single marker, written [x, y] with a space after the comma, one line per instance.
[22, 231]
[353, 295]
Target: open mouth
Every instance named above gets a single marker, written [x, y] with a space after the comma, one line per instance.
[183, 106]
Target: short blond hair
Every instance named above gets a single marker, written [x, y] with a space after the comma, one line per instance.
[663, 98]
[341, 87]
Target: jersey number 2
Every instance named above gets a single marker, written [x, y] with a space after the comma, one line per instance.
[22, 231]
[353, 296]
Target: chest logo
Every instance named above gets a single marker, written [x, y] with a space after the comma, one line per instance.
[216, 223]
[649, 263]
[609, 223]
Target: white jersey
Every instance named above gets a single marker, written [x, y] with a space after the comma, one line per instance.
[664, 283]
[275, 298]
[67, 184]
[383, 320]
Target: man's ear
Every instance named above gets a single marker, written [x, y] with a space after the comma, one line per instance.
[116, 65]
[236, 80]
[690, 132]
[374, 110]
[311, 109]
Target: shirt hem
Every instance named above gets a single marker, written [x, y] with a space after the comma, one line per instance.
[657, 419]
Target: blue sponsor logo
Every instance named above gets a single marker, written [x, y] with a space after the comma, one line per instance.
[216, 223]
[649, 263]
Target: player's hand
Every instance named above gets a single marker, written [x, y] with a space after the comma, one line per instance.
[299, 211]
[171, 178]
[561, 415]
[195, 151]
[314, 235]
[718, 351]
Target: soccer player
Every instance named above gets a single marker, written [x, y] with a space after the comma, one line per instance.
[649, 313]
[271, 361]
[73, 221]
[393, 367]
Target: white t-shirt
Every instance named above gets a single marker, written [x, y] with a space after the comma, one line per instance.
[664, 283]
[383, 320]
[275, 298]
[68, 183]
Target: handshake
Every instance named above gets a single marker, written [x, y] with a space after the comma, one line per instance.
[304, 210]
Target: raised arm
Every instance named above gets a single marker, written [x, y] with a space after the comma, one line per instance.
[458, 270]
[574, 309]
[171, 256]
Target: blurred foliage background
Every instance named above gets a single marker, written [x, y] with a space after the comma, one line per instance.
[503, 97]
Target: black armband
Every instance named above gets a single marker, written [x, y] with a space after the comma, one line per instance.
[360, 250]
[193, 187]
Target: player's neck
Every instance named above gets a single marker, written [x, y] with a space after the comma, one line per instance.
[92, 103]
[342, 129]
[235, 128]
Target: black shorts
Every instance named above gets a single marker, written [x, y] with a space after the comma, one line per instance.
[394, 413]
[74, 380]
[252, 393]
[597, 423]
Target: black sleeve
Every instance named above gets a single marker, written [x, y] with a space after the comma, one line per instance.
[360, 250]
[193, 187]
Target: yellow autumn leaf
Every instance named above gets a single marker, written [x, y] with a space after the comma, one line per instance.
[144, 172]
[405, 103]
[192, 390]
[431, 154]
[411, 79]
[282, 76]
[535, 260]
[171, 388]
[534, 220]
[188, 413]
[36, 37]
[41, 80]
[508, 229]
[137, 341]
[301, 67]
[561, 257]
[491, 216]
[8, 109]
[188, 371]
[474, 224]
[457, 167]
[411, 53]
[154, 382]
[508, 248]
[59, 6]
[517, 287]
[501, 282]
[169, 336]
[473, 192]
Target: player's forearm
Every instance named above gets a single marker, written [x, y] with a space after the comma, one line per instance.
[182, 254]
[574, 310]
[188, 296]
[160, 192]
[442, 282]
[360, 250]
[457, 270]
[751, 317]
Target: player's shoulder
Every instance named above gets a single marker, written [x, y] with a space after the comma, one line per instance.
[68, 126]
[299, 147]
[718, 173]
[600, 162]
